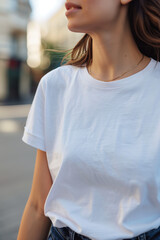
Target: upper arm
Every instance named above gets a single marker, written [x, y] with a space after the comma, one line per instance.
[42, 181]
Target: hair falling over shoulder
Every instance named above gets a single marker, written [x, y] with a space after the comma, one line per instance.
[144, 18]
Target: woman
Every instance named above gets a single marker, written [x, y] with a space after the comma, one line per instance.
[96, 125]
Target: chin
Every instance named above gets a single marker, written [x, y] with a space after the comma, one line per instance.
[74, 28]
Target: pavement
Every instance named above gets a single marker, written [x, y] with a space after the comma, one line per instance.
[17, 161]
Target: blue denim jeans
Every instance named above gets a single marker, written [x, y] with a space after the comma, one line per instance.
[66, 233]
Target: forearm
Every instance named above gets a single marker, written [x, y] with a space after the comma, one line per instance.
[34, 224]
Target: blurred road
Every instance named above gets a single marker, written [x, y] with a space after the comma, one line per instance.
[17, 161]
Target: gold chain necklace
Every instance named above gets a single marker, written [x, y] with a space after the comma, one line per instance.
[124, 72]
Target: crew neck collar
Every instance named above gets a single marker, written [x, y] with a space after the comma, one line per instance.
[88, 79]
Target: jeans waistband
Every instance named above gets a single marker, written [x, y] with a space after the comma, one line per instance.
[67, 233]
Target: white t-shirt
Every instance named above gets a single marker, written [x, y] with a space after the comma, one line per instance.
[102, 141]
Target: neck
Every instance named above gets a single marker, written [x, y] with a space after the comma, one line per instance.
[114, 52]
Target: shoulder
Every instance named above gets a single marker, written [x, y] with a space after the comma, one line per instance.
[154, 80]
[156, 69]
[59, 77]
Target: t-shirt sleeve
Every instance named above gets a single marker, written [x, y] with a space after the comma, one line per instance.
[34, 130]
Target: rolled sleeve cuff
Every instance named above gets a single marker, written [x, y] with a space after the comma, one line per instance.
[33, 140]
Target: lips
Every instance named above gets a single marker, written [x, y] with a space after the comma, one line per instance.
[70, 5]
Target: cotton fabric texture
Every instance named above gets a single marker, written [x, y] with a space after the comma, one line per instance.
[102, 141]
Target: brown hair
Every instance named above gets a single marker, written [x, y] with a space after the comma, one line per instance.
[144, 18]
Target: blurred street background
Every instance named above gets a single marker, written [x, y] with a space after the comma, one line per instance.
[16, 169]
[27, 29]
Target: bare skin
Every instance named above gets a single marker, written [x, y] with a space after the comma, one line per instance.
[34, 224]
[114, 49]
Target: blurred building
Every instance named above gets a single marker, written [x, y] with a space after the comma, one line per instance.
[55, 30]
[51, 33]
[14, 72]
